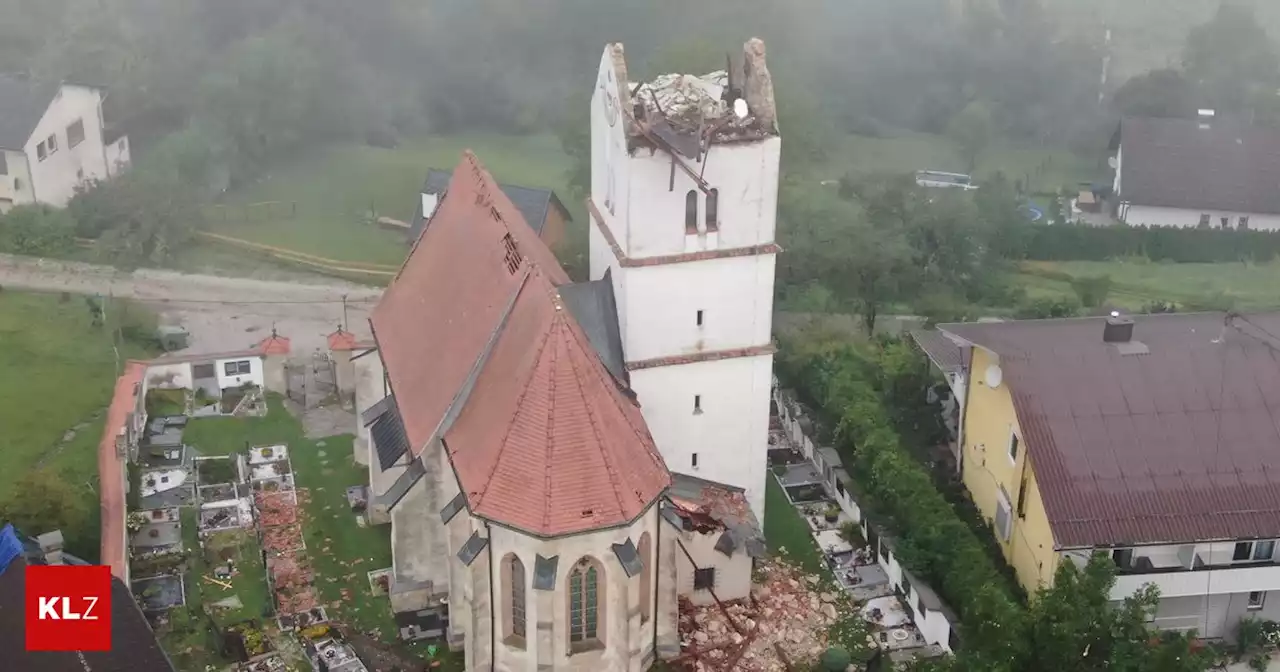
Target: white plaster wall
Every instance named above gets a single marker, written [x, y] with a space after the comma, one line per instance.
[253, 377]
[56, 177]
[1138, 215]
[745, 174]
[168, 376]
[735, 296]
[15, 183]
[610, 171]
[370, 388]
[627, 642]
[602, 259]
[733, 574]
[730, 435]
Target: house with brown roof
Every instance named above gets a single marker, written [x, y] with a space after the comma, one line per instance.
[1208, 173]
[1152, 439]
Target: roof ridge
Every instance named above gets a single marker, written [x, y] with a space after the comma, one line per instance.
[547, 448]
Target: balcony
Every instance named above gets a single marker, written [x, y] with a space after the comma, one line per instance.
[1199, 579]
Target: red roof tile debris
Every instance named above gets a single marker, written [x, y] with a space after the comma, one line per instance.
[1173, 442]
[545, 440]
[111, 470]
[342, 341]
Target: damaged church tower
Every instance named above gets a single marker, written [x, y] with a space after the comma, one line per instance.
[684, 192]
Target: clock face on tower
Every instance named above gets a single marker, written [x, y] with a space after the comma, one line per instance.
[610, 102]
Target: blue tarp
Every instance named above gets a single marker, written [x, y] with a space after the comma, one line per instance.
[10, 546]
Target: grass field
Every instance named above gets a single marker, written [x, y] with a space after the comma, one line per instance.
[1250, 287]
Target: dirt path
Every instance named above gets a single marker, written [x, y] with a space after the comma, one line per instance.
[221, 313]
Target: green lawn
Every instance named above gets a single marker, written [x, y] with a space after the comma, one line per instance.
[224, 436]
[1252, 287]
[336, 187]
[787, 534]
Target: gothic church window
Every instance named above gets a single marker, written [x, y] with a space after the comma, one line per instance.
[586, 584]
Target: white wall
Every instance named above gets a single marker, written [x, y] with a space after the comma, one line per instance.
[15, 183]
[56, 177]
[168, 376]
[1138, 215]
[733, 574]
[735, 296]
[730, 435]
[254, 376]
[370, 388]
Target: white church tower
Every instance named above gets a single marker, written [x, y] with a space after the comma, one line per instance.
[684, 192]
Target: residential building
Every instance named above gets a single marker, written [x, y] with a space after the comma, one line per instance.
[1207, 173]
[541, 208]
[52, 139]
[509, 410]
[133, 645]
[1151, 439]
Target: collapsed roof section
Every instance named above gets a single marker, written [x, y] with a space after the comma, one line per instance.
[688, 113]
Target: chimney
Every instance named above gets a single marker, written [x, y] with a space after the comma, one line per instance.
[1118, 329]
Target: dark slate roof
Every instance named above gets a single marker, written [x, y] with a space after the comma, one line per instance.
[22, 103]
[1173, 444]
[942, 351]
[133, 646]
[592, 304]
[533, 203]
[1175, 163]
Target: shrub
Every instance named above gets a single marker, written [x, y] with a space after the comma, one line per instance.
[37, 230]
[836, 659]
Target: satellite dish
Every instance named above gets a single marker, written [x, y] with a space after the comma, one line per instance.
[994, 376]
[1113, 163]
[740, 108]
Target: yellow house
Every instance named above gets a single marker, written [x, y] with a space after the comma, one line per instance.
[1153, 439]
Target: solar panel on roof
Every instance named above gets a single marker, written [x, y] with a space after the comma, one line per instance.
[389, 437]
[628, 558]
[455, 505]
[470, 550]
[375, 411]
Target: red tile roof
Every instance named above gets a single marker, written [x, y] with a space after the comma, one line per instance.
[111, 470]
[274, 345]
[341, 340]
[1174, 443]
[469, 322]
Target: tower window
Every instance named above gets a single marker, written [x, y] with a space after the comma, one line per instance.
[713, 210]
[697, 403]
[694, 461]
[691, 213]
[699, 318]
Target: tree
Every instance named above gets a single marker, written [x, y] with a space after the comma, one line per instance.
[141, 217]
[1231, 60]
[42, 501]
[1160, 93]
[971, 129]
[36, 230]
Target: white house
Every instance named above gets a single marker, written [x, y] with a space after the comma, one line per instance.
[1207, 173]
[52, 139]
[510, 414]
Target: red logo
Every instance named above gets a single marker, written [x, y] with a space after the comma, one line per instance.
[68, 608]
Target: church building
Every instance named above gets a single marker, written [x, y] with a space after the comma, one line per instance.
[561, 462]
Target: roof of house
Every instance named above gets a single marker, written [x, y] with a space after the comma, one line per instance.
[941, 350]
[23, 102]
[1170, 441]
[275, 345]
[133, 644]
[533, 203]
[1177, 163]
[342, 340]
[113, 549]
[483, 352]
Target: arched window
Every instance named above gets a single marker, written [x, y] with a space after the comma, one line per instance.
[691, 213]
[713, 210]
[586, 595]
[646, 580]
[513, 594]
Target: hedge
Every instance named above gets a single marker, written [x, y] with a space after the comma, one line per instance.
[1082, 242]
[898, 491]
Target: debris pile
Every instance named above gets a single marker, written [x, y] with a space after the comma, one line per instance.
[686, 100]
[785, 622]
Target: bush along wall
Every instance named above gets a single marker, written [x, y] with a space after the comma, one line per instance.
[839, 379]
[1081, 242]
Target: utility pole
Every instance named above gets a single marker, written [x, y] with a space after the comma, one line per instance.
[344, 312]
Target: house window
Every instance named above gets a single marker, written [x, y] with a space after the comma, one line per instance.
[691, 213]
[584, 605]
[840, 487]
[1226, 221]
[699, 318]
[240, 368]
[646, 600]
[704, 578]
[906, 587]
[42, 152]
[713, 210]
[1243, 224]
[1257, 598]
[1254, 551]
[1004, 516]
[1022, 499]
[52, 143]
[1013, 448]
[1204, 221]
[516, 585]
[75, 133]
[1123, 557]
[694, 460]
[697, 404]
